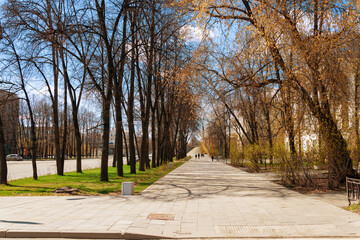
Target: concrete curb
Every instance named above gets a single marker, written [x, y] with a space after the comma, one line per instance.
[122, 235]
[31, 234]
[268, 237]
[76, 234]
[99, 235]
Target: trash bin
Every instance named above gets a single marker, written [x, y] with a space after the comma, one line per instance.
[127, 188]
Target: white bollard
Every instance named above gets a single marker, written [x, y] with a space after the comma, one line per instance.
[127, 188]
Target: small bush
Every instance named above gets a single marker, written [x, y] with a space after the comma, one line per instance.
[287, 167]
[237, 157]
[254, 153]
[298, 169]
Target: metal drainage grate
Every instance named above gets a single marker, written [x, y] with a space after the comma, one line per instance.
[159, 216]
[278, 230]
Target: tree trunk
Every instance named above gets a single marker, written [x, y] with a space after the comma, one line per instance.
[65, 126]
[105, 138]
[118, 99]
[118, 152]
[114, 156]
[126, 146]
[166, 140]
[75, 110]
[159, 137]
[46, 143]
[59, 165]
[33, 140]
[78, 142]
[131, 127]
[182, 144]
[153, 137]
[145, 108]
[130, 111]
[269, 133]
[289, 126]
[144, 152]
[3, 165]
[339, 161]
[32, 121]
[356, 117]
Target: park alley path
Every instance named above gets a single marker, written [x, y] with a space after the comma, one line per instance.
[199, 199]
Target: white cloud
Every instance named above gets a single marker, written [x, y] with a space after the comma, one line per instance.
[195, 34]
[45, 91]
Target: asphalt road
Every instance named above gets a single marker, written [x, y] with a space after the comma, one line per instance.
[23, 169]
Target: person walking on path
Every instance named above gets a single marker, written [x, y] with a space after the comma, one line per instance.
[212, 158]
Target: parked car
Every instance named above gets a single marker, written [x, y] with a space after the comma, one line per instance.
[13, 157]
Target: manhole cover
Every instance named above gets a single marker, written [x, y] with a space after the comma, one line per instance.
[160, 216]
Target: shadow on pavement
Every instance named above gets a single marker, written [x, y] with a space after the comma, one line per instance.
[20, 222]
[73, 199]
[204, 189]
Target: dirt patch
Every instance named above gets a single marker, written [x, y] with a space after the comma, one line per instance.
[322, 187]
[246, 169]
[320, 183]
[357, 210]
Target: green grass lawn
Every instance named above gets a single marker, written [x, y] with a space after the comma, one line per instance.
[353, 208]
[87, 182]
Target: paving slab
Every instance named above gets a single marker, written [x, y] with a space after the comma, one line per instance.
[200, 199]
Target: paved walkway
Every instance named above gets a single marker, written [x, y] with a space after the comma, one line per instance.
[199, 199]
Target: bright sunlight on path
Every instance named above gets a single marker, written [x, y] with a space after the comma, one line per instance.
[199, 199]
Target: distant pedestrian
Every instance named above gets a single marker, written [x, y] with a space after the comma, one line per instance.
[198, 155]
[195, 156]
[212, 158]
